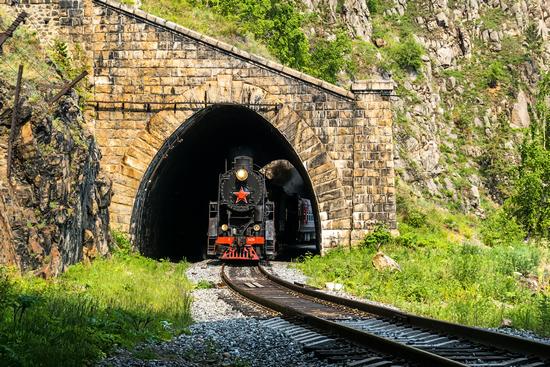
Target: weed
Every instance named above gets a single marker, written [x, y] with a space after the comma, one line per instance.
[204, 284]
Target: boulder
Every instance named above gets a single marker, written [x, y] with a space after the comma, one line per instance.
[382, 262]
[445, 56]
[442, 20]
[520, 113]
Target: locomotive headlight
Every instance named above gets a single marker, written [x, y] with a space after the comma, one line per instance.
[242, 174]
[256, 227]
[225, 227]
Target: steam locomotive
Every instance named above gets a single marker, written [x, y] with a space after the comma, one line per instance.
[242, 223]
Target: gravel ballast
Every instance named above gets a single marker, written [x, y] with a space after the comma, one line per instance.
[237, 342]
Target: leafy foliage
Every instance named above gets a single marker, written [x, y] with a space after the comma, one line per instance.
[494, 162]
[530, 203]
[374, 6]
[330, 57]
[380, 236]
[495, 74]
[500, 229]
[408, 54]
[277, 23]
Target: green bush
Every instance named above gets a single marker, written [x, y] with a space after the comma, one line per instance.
[277, 23]
[500, 229]
[379, 237]
[374, 6]
[328, 58]
[409, 240]
[495, 74]
[408, 54]
[466, 264]
[530, 201]
[121, 241]
[415, 218]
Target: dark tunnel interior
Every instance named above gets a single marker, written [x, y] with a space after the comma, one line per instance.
[170, 215]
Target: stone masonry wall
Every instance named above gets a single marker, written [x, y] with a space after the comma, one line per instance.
[50, 18]
[344, 139]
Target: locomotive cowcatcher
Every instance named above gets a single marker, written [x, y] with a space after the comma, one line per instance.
[241, 225]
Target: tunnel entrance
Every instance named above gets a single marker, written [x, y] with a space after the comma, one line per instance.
[170, 214]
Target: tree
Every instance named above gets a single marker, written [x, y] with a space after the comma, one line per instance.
[530, 202]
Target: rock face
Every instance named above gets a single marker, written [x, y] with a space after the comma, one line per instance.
[520, 112]
[450, 121]
[354, 14]
[54, 212]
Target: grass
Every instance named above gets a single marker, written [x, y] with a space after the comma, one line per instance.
[208, 22]
[84, 314]
[447, 273]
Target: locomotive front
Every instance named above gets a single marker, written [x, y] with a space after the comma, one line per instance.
[241, 221]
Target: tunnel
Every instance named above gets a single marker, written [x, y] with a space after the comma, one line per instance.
[170, 214]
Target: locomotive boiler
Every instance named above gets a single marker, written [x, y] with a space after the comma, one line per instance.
[241, 223]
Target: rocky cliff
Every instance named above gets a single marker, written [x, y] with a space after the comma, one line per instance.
[54, 209]
[462, 113]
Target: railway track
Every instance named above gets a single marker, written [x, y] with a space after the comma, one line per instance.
[363, 334]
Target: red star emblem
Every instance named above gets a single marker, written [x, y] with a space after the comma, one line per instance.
[241, 195]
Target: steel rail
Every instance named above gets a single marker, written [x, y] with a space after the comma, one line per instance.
[365, 339]
[478, 335]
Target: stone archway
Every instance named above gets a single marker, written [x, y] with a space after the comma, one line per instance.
[322, 172]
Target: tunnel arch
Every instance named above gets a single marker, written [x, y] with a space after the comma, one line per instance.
[169, 216]
[325, 167]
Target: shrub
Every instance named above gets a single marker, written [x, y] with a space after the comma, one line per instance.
[408, 54]
[409, 240]
[415, 218]
[277, 23]
[530, 202]
[373, 6]
[466, 264]
[500, 229]
[379, 237]
[328, 58]
[495, 74]
[121, 241]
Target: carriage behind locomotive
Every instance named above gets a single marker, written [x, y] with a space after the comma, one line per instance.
[245, 224]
